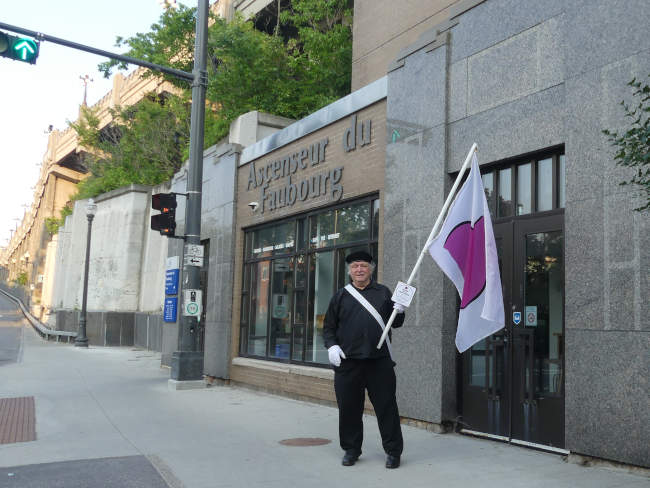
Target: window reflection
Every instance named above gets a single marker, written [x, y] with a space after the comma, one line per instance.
[545, 185]
[375, 219]
[260, 309]
[488, 185]
[535, 185]
[504, 206]
[279, 239]
[524, 195]
[560, 182]
[543, 313]
[335, 227]
[281, 298]
[477, 372]
[321, 287]
[292, 269]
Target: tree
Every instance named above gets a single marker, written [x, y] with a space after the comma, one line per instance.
[252, 70]
[247, 70]
[634, 145]
[321, 54]
[142, 145]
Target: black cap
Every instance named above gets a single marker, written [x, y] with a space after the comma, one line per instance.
[359, 256]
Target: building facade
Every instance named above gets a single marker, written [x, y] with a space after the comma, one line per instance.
[533, 84]
[534, 87]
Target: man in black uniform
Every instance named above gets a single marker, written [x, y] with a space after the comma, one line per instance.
[351, 332]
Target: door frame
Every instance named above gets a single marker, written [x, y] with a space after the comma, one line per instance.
[512, 231]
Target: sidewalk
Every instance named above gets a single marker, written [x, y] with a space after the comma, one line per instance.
[114, 402]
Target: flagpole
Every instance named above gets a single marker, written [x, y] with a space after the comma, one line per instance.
[434, 231]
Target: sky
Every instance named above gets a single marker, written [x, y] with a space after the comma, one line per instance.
[33, 97]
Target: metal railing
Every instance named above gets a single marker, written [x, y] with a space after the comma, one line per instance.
[42, 329]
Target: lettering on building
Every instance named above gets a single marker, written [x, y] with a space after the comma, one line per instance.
[295, 189]
[358, 134]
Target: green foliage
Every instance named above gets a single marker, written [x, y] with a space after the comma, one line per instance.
[21, 279]
[321, 55]
[633, 146]
[247, 70]
[52, 224]
[143, 144]
[251, 70]
[169, 43]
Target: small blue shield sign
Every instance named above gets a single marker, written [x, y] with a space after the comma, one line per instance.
[516, 317]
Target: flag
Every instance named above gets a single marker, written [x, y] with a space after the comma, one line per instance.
[466, 251]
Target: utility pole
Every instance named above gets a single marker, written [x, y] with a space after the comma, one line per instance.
[187, 362]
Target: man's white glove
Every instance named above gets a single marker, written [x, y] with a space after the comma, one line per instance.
[399, 307]
[335, 354]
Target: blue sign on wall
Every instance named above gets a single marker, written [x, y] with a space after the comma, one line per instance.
[171, 282]
[169, 312]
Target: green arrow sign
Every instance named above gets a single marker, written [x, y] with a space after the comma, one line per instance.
[25, 49]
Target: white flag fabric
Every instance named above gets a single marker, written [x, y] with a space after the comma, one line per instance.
[466, 251]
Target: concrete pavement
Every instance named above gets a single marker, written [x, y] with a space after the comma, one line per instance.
[110, 411]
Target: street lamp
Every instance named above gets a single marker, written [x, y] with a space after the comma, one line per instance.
[29, 293]
[81, 340]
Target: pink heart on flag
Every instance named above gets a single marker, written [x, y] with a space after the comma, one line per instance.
[466, 244]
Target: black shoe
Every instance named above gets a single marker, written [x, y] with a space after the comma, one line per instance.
[392, 462]
[349, 459]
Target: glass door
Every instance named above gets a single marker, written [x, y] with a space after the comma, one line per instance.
[513, 381]
[538, 338]
[486, 366]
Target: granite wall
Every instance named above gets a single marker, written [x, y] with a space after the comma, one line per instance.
[517, 77]
[217, 211]
[414, 191]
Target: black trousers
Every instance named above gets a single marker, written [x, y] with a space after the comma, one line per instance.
[351, 379]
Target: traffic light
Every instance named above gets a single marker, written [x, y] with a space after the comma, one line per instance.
[18, 48]
[165, 221]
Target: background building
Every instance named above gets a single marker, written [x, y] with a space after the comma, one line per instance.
[32, 246]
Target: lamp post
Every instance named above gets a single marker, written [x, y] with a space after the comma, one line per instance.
[82, 340]
[28, 290]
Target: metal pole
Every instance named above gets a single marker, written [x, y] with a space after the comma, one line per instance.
[89, 49]
[187, 362]
[81, 340]
[434, 231]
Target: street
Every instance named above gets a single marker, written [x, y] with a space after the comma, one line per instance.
[105, 417]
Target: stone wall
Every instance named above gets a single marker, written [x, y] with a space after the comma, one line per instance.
[518, 77]
[219, 163]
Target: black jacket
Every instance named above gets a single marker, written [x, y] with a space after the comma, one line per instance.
[350, 325]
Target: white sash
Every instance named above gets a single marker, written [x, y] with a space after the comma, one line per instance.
[371, 310]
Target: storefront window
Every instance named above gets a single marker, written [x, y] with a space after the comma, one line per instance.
[292, 269]
[321, 285]
[260, 309]
[340, 226]
[375, 219]
[274, 240]
[281, 307]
